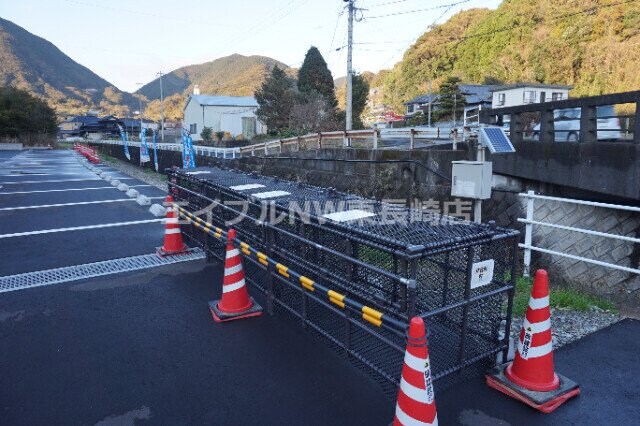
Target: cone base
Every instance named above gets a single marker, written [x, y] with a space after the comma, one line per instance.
[219, 316]
[545, 402]
[538, 387]
[160, 251]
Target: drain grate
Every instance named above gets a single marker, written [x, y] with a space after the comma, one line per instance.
[90, 270]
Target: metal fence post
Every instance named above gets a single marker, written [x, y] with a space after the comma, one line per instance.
[375, 139]
[465, 310]
[412, 142]
[319, 140]
[528, 233]
[268, 235]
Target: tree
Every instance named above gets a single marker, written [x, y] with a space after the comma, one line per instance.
[314, 77]
[206, 134]
[450, 96]
[22, 114]
[275, 99]
[359, 96]
[313, 115]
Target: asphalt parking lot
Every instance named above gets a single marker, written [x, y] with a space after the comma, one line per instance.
[141, 347]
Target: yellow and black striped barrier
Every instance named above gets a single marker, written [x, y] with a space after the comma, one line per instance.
[369, 314]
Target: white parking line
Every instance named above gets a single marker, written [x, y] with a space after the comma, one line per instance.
[65, 190]
[80, 228]
[81, 203]
[59, 180]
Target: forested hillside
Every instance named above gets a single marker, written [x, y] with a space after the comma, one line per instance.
[593, 45]
[34, 64]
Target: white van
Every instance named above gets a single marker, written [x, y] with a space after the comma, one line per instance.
[567, 125]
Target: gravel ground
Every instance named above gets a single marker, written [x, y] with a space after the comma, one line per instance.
[137, 172]
[569, 325]
[566, 325]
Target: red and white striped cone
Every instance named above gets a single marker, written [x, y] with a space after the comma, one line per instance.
[531, 377]
[173, 243]
[416, 404]
[532, 367]
[235, 302]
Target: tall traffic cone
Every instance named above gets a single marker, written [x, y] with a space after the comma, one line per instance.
[416, 404]
[172, 236]
[531, 377]
[235, 302]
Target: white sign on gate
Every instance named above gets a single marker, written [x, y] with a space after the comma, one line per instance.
[482, 273]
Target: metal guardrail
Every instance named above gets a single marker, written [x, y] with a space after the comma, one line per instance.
[529, 222]
[207, 151]
[371, 139]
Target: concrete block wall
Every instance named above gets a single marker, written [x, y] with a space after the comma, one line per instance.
[616, 285]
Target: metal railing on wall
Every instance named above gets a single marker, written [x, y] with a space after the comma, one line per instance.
[529, 222]
[368, 139]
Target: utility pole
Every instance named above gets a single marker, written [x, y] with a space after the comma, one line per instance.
[430, 95]
[140, 105]
[161, 108]
[349, 117]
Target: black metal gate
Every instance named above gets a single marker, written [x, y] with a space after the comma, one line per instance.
[395, 261]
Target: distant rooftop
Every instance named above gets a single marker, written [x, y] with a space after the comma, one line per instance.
[238, 101]
[537, 85]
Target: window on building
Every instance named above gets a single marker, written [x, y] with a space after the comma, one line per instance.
[557, 96]
[502, 98]
[529, 96]
[410, 108]
[193, 128]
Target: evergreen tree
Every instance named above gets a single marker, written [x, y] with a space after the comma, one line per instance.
[450, 96]
[314, 77]
[359, 96]
[275, 99]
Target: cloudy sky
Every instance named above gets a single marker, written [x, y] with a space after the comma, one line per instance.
[127, 42]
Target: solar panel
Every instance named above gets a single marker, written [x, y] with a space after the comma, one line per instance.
[496, 140]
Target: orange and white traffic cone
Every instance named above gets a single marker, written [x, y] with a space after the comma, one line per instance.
[235, 302]
[172, 236]
[531, 377]
[416, 404]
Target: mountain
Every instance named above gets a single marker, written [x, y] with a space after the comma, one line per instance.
[34, 64]
[234, 75]
[590, 44]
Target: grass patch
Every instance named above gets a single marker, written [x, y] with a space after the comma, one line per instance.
[108, 158]
[164, 178]
[559, 298]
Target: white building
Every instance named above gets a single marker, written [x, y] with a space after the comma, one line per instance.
[528, 93]
[233, 114]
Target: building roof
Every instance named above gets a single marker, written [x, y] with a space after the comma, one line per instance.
[85, 119]
[473, 93]
[235, 101]
[536, 85]
[423, 99]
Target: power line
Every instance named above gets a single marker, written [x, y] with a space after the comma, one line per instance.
[444, 6]
[387, 3]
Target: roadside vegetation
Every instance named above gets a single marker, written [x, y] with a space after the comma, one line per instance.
[308, 104]
[559, 298]
[25, 118]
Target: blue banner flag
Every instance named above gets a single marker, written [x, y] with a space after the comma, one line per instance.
[144, 148]
[155, 152]
[123, 135]
[188, 157]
